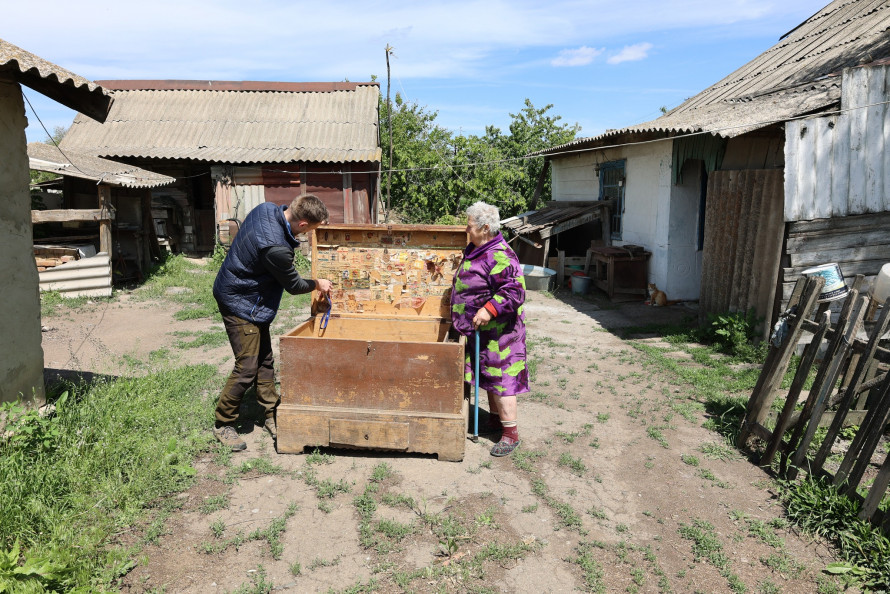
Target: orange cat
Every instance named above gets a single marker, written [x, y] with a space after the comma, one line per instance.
[657, 298]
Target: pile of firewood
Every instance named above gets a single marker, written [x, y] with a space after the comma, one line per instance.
[44, 263]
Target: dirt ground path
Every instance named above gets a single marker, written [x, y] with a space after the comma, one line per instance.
[616, 487]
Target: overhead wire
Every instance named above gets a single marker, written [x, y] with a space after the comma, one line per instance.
[566, 151]
[48, 135]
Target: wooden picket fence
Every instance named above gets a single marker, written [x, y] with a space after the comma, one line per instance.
[851, 386]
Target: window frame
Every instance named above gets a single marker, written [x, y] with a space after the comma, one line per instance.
[614, 188]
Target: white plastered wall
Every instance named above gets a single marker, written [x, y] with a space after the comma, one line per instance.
[683, 266]
[21, 355]
[647, 220]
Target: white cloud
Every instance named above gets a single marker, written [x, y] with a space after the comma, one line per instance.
[301, 39]
[576, 57]
[631, 53]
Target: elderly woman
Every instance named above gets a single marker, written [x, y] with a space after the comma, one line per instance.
[487, 295]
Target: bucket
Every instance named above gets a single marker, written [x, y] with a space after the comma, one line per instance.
[580, 284]
[538, 278]
[834, 287]
[881, 287]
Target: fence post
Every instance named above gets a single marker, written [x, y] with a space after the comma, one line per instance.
[806, 290]
[876, 494]
[865, 442]
[835, 356]
[852, 389]
[800, 378]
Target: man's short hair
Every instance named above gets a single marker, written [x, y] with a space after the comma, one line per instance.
[309, 208]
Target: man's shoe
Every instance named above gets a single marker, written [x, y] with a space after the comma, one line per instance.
[272, 427]
[227, 436]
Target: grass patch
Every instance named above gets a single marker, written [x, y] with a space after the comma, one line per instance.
[590, 567]
[52, 303]
[525, 459]
[706, 546]
[215, 503]
[206, 340]
[568, 517]
[73, 480]
[575, 465]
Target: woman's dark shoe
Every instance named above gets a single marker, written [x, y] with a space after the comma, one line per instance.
[504, 448]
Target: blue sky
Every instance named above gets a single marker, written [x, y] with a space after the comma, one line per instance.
[601, 64]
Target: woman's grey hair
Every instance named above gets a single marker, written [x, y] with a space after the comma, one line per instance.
[485, 214]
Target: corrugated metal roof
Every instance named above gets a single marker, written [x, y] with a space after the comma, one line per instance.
[797, 76]
[54, 81]
[46, 157]
[556, 214]
[235, 126]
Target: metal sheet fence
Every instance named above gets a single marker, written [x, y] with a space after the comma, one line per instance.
[743, 241]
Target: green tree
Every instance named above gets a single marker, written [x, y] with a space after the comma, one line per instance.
[438, 174]
[38, 177]
[419, 180]
[531, 130]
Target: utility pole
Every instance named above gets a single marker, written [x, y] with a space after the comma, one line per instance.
[388, 204]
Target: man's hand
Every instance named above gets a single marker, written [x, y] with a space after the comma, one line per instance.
[323, 286]
[481, 318]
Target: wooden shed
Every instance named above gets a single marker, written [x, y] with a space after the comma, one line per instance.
[234, 144]
[102, 204]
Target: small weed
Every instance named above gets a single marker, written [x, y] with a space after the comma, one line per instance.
[592, 570]
[218, 528]
[215, 503]
[317, 457]
[525, 459]
[719, 451]
[689, 459]
[319, 562]
[710, 476]
[381, 472]
[597, 512]
[575, 465]
[258, 584]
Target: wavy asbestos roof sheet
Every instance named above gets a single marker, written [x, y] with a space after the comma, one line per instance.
[329, 122]
[54, 81]
[797, 76]
[46, 157]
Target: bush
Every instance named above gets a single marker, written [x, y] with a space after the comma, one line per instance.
[734, 333]
[817, 508]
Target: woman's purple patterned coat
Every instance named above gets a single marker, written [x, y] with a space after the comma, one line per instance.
[492, 273]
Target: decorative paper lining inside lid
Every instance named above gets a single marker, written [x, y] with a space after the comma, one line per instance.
[403, 270]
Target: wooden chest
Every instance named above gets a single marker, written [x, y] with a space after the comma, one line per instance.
[386, 372]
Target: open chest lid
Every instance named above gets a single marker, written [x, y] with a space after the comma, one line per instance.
[392, 270]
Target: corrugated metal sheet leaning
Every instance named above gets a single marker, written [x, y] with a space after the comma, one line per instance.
[87, 277]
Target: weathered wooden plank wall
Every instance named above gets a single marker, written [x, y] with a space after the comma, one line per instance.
[743, 241]
[838, 165]
[858, 244]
